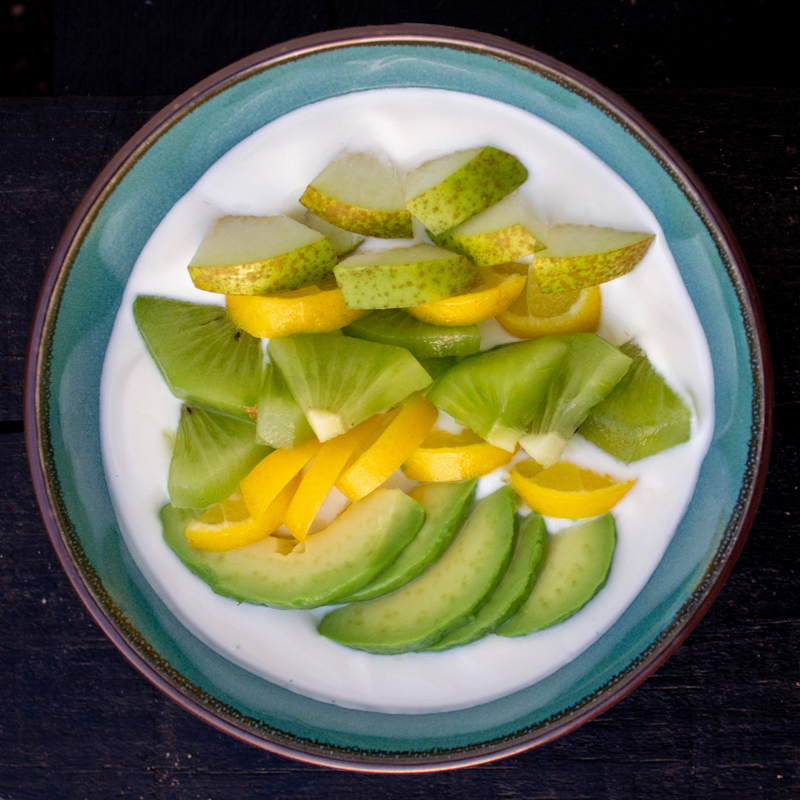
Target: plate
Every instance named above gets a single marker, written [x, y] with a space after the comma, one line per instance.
[89, 272]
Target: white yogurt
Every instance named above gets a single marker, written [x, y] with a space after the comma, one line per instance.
[263, 175]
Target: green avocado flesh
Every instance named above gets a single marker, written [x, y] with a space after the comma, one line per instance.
[204, 358]
[641, 416]
[591, 369]
[512, 591]
[446, 505]
[350, 552]
[281, 422]
[443, 597]
[496, 393]
[575, 569]
[421, 339]
[213, 452]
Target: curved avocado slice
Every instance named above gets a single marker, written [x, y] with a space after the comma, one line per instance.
[440, 599]
[512, 591]
[446, 505]
[575, 569]
[351, 551]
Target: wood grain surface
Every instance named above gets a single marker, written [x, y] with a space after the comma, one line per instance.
[718, 720]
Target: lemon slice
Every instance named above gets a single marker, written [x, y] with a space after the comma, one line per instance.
[454, 457]
[495, 294]
[315, 309]
[229, 526]
[566, 490]
[533, 314]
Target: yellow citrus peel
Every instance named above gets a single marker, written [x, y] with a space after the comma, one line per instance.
[228, 525]
[402, 436]
[496, 292]
[311, 310]
[566, 490]
[446, 456]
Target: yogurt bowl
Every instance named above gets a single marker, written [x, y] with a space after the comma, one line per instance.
[190, 157]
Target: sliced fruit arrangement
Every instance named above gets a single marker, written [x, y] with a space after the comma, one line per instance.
[261, 255]
[360, 193]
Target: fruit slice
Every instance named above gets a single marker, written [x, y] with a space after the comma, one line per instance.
[403, 435]
[512, 591]
[360, 193]
[280, 422]
[319, 478]
[443, 597]
[436, 367]
[228, 525]
[534, 314]
[339, 381]
[448, 191]
[506, 231]
[352, 550]
[642, 415]
[421, 339]
[446, 456]
[268, 478]
[446, 505]
[261, 255]
[495, 293]
[575, 569]
[566, 490]
[583, 255]
[590, 371]
[213, 452]
[496, 393]
[404, 276]
[310, 310]
[204, 358]
[343, 242]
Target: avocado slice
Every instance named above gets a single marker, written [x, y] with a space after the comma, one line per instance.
[443, 597]
[512, 591]
[575, 569]
[446, 505]
[350, 552]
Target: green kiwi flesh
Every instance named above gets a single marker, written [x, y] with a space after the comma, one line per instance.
[280, 422]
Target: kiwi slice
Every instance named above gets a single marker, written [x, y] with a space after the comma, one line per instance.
[205, 359]
[340, 381]
[421, 339]
[590, 371]
[213, 452]
[436, 367]
[496, 393]
[281, 422]
[641, 416]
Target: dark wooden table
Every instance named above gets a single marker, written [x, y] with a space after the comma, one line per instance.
[720, 719]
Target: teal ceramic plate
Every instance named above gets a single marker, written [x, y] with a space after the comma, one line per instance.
[82, 293]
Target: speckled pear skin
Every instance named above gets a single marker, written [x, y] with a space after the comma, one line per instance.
[493, 247]
[480, 183]
[305, 266]
[403, 285]
[566, 273]
[381, 224]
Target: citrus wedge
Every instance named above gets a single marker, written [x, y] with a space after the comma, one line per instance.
[405, 433]
[494, 295]
[446, 456]
[315, 309]
[566, 490]
[534, 314]
[229, 526]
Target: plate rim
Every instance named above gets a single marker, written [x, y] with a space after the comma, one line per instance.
[510, 52]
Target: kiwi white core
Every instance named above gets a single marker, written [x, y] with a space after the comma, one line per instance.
[265, 175]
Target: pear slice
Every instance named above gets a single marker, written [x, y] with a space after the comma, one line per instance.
[578, 256]
[344, 242]
[261, 255]
[360, 193]
[506, 231]
[404, 276]
[449, 190]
